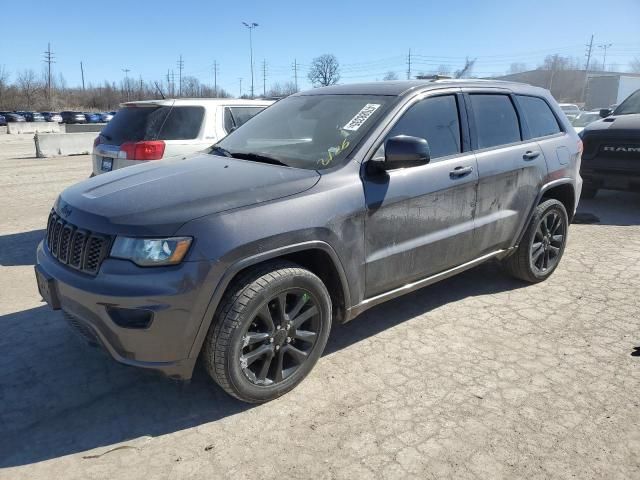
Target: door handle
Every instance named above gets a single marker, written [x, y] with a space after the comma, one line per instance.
[530, 155]
[459, 172]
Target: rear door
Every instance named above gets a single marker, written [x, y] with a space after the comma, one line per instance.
[419, 220]
[511, 168]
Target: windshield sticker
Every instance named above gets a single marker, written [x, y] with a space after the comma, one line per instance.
[356, 122]
[334, 152]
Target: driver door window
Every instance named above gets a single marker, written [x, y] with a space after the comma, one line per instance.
[436, 120]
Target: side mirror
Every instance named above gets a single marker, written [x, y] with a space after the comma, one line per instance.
[404, 151]
[605, 112]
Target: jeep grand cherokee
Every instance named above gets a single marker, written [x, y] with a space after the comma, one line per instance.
[324, 205]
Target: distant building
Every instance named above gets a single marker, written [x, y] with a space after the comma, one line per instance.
[594, 90]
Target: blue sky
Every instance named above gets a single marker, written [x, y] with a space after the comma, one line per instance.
[368, 37]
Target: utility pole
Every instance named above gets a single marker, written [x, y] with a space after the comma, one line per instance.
[180, 67]
[409, 66]
[240, 79]
[126, 80]
[264, 78]
[295, 73]
[605, 46]
[168, 83]
[251, 26]
[586, 69]
[82, 73]
[48, 59]
[215, 78]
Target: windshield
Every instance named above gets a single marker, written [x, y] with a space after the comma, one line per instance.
[585, 119]
[630, 105]
[313, 132]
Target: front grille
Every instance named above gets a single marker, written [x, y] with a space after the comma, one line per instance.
[77, 248]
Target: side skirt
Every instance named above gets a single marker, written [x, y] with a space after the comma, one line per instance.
[410, 287]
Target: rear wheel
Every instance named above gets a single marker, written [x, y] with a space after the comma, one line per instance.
[269, 332]
[543, 244]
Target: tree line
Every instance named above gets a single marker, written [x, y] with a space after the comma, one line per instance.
[26, 90]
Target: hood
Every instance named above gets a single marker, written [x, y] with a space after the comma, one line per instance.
[623, 125]
[158, 197]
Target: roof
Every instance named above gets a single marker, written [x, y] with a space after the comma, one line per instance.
[201, 101]
[397, 88]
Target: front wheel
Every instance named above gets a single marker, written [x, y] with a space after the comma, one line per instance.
[543, 244]
[270, 330]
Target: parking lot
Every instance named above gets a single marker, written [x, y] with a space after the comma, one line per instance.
[479, 376]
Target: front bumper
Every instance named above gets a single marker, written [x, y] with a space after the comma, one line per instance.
[175, 297]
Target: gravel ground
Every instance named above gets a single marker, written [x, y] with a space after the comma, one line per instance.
[479, 376]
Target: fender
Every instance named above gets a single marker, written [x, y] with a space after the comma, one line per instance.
[546, 187]
[233, 270]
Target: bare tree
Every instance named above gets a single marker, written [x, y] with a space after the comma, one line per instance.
[466, 70]
[517, 67]
[29, 87]
[282, 90]
[634, 65]
[444, 70]
[390, 75]
[325, 70]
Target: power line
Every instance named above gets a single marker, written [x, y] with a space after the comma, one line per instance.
[215, 78]
[295, 73]
[49, 59]
[180, 68]
[264, 78]
[126, 80]
[605, 46]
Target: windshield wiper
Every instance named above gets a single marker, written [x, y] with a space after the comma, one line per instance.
[258, 157]
[216, 150]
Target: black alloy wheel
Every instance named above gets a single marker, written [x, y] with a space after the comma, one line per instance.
[278, 340]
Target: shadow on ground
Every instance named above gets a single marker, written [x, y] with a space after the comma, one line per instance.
[610, 208]
[61, 397]
[20, 248]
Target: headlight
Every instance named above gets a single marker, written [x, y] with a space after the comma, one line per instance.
[148, 252]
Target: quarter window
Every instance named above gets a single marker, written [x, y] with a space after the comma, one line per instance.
[495, 119]
[236, 116]
[540, 118]
[436, 120]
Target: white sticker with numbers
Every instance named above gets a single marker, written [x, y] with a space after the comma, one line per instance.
[356, 122]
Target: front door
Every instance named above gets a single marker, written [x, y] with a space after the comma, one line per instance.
[419, 220]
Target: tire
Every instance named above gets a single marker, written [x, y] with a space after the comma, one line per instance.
[588, 192]
[526, 262]
[246, 332]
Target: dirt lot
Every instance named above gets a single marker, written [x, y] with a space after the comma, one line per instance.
[479, 376]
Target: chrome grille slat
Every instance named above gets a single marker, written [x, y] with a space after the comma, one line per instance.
[79, 249]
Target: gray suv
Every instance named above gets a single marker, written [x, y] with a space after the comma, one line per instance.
[320, 207]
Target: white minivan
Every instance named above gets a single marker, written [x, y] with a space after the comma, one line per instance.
[162, 129]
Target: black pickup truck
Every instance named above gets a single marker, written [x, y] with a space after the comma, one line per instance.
[611, 157]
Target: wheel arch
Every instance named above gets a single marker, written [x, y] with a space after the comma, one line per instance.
[316, 256]
[562, 190]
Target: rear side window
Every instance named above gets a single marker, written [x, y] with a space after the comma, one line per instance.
[236, 116]
[436, 120]
[540, 118]
[495, 119]
[134, 124]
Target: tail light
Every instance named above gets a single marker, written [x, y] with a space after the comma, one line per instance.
[149, 150]
[580, 147]
[96, 142]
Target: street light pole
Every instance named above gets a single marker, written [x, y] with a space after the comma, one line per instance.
[251, 26]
